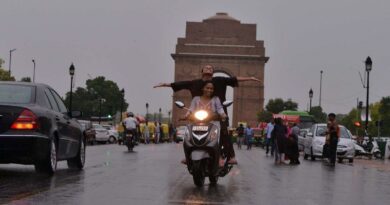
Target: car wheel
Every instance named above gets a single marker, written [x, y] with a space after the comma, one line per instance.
[312, 157]
[111, 140]
[79, 160]
[350, 160]
[49, 164]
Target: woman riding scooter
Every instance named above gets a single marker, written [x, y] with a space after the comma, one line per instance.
[207, 102]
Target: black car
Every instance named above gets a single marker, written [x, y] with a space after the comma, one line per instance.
[36, 128]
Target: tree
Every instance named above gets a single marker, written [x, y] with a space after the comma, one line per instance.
[384, 111]
[277, 105]
[4, 75]
[87, 99]
[25, 79]
[290, 105]
[318, 114]
[264, 116]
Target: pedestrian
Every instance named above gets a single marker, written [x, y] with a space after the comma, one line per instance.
[240, 135]
[333, 133]
[279, 138]
[162, 135]
[292, 144]
[248, 137]
[146, 133]
[156, 133]
[220, 83]
[171, 132]
[270, 127]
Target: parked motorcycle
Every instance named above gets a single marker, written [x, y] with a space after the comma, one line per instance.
[201, 146]
[368, 148]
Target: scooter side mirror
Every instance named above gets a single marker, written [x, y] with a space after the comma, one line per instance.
[179, 104]
[227, 103]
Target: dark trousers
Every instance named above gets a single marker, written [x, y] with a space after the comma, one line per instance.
[268, 143]
[332, 149]
[226, 140]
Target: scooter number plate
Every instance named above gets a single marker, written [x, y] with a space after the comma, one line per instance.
[200, 128]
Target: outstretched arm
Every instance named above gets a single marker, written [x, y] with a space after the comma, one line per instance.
[176, 86]
[162, 85]
[240, 79]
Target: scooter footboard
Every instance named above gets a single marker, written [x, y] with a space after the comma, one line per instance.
[199, 154]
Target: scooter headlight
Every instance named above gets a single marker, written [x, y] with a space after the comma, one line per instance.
[201, 115]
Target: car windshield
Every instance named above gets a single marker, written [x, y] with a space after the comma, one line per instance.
[16, 94]
[97, 126]
[321, 131]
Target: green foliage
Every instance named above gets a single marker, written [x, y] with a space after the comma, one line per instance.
[87, 99]
[277, 105]
[384, 111]
[1, 63]
[4, 75]
[378, 111]
[25, 79]
[318, 114]
[264, 116]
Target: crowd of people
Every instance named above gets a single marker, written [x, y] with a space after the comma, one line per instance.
[148, 132]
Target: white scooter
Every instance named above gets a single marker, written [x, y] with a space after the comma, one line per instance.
[368, 149]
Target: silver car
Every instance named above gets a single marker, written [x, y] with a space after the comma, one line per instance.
[102, 134]
[315, 140]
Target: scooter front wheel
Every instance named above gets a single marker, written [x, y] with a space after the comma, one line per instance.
[197, 173]
[213, 180]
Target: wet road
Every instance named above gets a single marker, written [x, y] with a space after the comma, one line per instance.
[153, 175]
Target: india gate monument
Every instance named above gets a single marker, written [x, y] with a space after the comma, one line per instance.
[231, 47]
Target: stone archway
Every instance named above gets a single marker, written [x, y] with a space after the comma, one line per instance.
[231, 47]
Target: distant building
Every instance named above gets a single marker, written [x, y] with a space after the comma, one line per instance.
[231, 47]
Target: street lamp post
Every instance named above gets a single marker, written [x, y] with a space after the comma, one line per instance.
[10, 60]
[368, 63]
[101, 100]
[71, 73]
[311, 97]
[147, 111]
[320, 87]
[33, 71]
[122, 101]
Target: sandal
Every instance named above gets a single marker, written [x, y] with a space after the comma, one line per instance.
[232, 161]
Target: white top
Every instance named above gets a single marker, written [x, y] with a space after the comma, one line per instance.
[130, 123]
[213, 105]
[270, 127]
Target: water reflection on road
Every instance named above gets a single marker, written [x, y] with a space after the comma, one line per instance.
[153, 175]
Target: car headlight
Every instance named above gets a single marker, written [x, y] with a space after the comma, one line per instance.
[201, 115]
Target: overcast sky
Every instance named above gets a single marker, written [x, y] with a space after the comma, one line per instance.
[130, 42]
